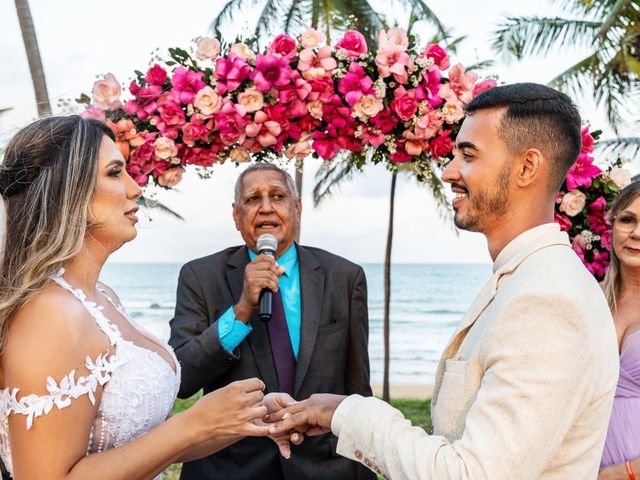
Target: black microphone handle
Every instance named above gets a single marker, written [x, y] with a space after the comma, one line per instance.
[265, 309]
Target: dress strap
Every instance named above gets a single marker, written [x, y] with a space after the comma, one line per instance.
[61, 394]
[95, 310]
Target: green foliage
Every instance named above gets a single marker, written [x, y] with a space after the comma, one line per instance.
[610, 28]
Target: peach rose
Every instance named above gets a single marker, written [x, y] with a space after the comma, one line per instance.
[208, 48]
[240, 155]
[106, 93]
[301, 148]
[315, 109]
[452, 112]
[620, 177]
[368, 106]
[242, 50]
[311, 38]
[208, 101]
[394, 37]
[171, 177]
[165, 148]
[573, 202]
[251, 99]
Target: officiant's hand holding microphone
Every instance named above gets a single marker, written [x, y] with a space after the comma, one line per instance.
[260, 275]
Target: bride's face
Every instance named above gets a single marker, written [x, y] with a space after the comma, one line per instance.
[113, 207]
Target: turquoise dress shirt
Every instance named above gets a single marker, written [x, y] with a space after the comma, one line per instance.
[233, 331]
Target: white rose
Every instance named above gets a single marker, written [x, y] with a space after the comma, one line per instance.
[573, 202]
[311, 38]
[620, 176]
[243, 51]
[165, 148]
[208, 48]
[208, 101]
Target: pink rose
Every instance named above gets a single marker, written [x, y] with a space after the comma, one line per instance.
[171, 177]
[208, 101]
[573, 202]
[441, 146]
[563, 221]
[194, 131]
[353, 43]
[598, 205]
[483, 86]
[208, 48]
[156, 75]
[404, 104]
[438, 54]
[605, 239]
[170, 112]
[106, 93]
[580, 242]
[311, 38]
[283, 46]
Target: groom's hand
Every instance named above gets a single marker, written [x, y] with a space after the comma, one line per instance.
[275, 403]
[312, 416]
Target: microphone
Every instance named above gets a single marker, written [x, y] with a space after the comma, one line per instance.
[267, 245]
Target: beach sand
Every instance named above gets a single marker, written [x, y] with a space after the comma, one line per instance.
[405, 390]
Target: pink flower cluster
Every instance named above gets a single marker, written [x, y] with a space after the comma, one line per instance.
[583, 204]
[296, 98]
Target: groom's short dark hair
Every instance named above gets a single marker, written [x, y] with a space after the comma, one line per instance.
[536, 116]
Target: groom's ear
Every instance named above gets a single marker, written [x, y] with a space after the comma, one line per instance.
[532, 168]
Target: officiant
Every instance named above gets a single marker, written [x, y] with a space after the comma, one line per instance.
[316, 340]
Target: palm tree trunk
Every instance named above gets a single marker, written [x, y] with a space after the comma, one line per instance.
[33, 56]
[387, 291]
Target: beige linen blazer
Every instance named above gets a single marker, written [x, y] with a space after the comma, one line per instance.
[524, 388]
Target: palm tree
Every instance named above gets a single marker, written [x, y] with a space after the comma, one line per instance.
[33, 56]
[330, 16]
[611, 30]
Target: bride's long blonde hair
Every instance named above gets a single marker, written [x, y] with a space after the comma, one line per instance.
[47, 178]
[611, 282]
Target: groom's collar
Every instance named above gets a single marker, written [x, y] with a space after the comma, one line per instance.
[528, 242]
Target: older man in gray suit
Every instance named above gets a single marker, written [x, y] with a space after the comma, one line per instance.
[315, 342]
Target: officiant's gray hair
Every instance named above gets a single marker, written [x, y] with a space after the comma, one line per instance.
[260, 167]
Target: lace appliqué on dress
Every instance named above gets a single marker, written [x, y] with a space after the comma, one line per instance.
[61, 394]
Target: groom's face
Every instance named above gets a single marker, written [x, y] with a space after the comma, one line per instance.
[480, 173]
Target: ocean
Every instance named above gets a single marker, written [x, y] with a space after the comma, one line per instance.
[427, 301]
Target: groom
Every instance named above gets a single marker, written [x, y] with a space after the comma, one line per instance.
[525, 386]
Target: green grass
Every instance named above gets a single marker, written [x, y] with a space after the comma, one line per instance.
[418, 411]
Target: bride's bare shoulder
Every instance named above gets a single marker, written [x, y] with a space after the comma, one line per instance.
[52, 333]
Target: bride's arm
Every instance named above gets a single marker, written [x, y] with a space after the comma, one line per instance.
[51, 336]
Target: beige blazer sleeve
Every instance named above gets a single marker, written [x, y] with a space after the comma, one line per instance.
[536, 376]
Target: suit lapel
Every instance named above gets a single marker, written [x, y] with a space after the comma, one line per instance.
[258, 339]
[311, 297]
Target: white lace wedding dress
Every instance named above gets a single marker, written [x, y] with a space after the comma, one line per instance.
[139, 387]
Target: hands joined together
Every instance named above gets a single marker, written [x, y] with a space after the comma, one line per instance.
[241, 409]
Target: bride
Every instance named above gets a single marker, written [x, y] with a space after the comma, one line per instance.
[84, 392]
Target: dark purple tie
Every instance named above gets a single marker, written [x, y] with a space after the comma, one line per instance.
[281, 348]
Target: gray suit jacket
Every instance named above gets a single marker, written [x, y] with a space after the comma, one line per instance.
[333, 357]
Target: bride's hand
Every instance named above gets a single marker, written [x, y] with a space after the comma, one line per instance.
[229, 411]
[274, 403]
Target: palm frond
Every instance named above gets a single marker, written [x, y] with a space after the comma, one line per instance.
[613, 16]
[614, 90]
[593, 8]
[577, 78]
[331, 177]
[368, 21]
[225, 16]
[520, 36]
[627, 146]
[294, 16]
[146, 202]
[268, 19]
[481, 65]
[423, 12]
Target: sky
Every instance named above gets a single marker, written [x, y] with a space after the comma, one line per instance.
[81, 39]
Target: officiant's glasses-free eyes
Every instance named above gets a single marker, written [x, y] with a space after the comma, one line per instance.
[625, 222]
